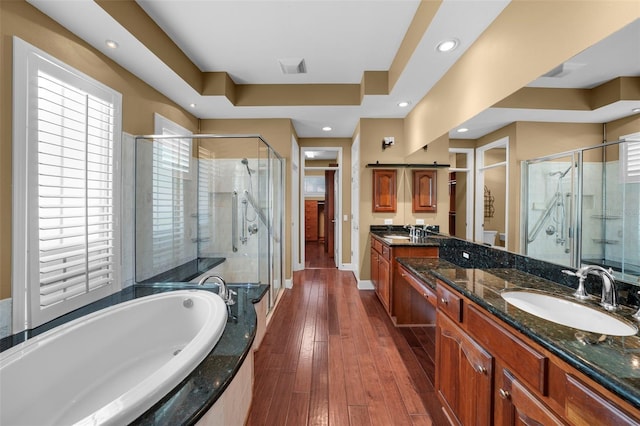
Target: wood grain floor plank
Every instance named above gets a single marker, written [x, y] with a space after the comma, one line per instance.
[277, 414]
[319, 395]
[338, 413]
[298, 414]
[421, 420]
[359, 415]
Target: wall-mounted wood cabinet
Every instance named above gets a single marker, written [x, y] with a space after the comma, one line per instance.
[384, 191]
[424, 191]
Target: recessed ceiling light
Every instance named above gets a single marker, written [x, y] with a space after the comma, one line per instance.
[635, 110]
[111, 44]
[192, 105]
[327, 129]
[447, 45]
[403, 104]
[462, 130]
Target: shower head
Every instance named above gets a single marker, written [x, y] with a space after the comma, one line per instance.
[246, 163]
[560, 173]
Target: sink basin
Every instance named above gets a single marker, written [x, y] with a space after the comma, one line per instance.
[398, 237]
[571, 314]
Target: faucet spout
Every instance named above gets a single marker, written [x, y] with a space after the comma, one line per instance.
[609, 299]
[225, 293]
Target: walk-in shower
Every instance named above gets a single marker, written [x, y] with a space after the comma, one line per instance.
[209, 203]
[583, 207]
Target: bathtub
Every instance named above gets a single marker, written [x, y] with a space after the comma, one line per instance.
[109, 367]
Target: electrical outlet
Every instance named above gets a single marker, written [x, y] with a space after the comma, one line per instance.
[419, 221]
[388, 221]
[465, 254]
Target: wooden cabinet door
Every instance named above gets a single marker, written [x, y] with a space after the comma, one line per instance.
[384, 191]
[516, 405]
[585, 406]
[383, 282]
[374, 269]
[464, 373]
[424, 191]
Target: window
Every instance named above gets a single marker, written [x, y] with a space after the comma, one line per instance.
[67, 129]
[314, 186]
[630, 161]
[173, 192]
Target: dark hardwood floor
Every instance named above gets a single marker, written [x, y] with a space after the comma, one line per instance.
[331, 356]
[315, 256]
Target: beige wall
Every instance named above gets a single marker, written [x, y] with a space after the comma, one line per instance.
[372, 132]
[518, 47]
[139, 101]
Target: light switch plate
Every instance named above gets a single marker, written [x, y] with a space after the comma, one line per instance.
[388, 221]
[419, 221]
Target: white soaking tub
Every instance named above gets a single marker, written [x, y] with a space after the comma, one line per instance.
[109, 367]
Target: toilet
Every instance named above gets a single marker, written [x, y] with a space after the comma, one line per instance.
[489, 237]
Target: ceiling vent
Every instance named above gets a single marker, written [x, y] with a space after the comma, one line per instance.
[293, 66]
[563, 69]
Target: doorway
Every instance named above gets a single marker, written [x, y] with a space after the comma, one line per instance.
[320, 230]
[461, 184]
[492, 194]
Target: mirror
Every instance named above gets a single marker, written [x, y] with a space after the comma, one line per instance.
[566, 204]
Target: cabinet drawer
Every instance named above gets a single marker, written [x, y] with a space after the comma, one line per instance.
[530, 364]
[449, 303]
[586, 407]
[420, 287]
[377, 245]
[386, 252]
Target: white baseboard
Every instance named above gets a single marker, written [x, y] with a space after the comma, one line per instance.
[365, 285]
[346, 267]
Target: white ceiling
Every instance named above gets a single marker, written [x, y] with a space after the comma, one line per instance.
[339, 40]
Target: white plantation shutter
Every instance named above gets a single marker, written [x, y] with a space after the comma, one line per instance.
[72, 189]
[630, 161]
[171, 175]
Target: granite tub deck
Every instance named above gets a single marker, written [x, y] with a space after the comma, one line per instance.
[614, 363]
[193, 397]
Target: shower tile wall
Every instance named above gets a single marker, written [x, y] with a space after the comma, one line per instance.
[225, 177]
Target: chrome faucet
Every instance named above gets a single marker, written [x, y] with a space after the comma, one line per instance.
[609, 299]
[225, 293]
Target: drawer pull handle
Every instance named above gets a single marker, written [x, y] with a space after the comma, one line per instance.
[425, 295]
[444, 301]
[480, 369]
[504, 394]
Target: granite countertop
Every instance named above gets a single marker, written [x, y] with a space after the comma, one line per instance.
[613, 363]
[188, 401]
[386, 234]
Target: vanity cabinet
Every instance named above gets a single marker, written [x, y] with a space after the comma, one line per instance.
[489, 373]
[384, 191]
[424, 198]
[380, 271]
[395, 294]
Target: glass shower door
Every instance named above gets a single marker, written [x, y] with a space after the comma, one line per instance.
[549, 207]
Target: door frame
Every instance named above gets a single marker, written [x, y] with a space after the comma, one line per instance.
[480, 169]
[303, 168]
[470, 173]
